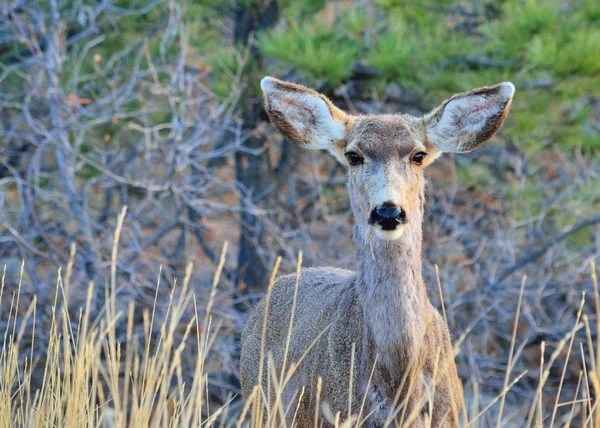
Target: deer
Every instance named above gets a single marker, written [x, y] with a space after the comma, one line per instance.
[366, 346]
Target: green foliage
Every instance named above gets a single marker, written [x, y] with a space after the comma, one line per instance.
[394, 53]
[315, 49]
[576, 52]
[591, 10]
[557, 42]
[520, 21]
[393, 4]
[356, 23]
[428, 64]
[293, 9]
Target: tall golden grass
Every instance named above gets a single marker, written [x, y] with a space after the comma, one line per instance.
[90, 377]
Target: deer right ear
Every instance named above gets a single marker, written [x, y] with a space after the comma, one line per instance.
[465, 121]
[305, 117]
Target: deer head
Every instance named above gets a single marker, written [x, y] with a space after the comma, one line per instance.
[385, 155]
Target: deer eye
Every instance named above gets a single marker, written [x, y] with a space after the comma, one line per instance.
[418, 157]
[354, 158]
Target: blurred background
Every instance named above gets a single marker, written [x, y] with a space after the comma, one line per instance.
[156, 105]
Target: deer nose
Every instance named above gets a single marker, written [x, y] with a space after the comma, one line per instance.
[388, 216]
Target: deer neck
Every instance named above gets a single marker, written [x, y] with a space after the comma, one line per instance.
[391, 289]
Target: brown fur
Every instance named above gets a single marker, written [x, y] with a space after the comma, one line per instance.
[402, 348]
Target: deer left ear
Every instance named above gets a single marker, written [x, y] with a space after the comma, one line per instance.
[465, 121]
[306, 118]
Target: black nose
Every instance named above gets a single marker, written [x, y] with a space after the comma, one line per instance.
[388, 216]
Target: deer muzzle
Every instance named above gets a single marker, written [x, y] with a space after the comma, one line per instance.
[388, 216]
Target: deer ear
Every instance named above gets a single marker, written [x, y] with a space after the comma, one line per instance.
[465, 121]
[305, 117]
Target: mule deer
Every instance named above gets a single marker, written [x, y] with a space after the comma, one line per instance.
[382, 351]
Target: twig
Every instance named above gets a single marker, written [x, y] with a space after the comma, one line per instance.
[537, 254]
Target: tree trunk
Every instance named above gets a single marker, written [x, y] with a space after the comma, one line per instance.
[252, 171]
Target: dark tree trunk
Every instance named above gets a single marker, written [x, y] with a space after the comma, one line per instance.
[252, 173]
[252, 167]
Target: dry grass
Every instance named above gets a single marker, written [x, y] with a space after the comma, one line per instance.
[92, 375]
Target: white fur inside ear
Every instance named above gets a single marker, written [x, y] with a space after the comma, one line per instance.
[465, 118]
[326, 129]
[466, 114]
[306, 112]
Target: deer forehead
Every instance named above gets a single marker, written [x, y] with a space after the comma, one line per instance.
[384, 137]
